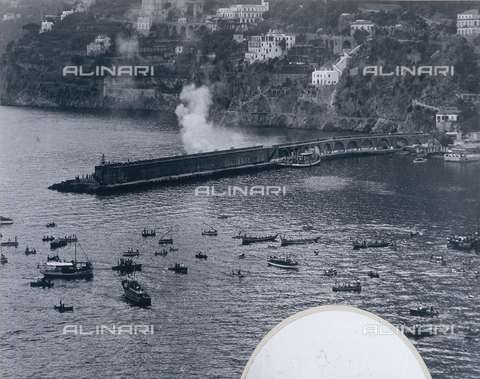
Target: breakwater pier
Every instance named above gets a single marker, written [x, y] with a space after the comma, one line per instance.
[124, 175]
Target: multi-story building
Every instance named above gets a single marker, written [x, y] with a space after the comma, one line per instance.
[243, 13]
[143, 25]
[445, 119]
[368, 26]
[325, 77]
[268, 46]
[468, 23]
[100, 46]
[65, 14]
[157, 10]
[46, 26]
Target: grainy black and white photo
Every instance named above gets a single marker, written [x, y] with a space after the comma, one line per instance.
[239, 189]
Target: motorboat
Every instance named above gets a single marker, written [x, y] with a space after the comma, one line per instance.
[63, 308]
[131, 253]
[127, 265]
[135, 292]
[67, 270]
[51, 225]
[282, 262]
[348, 287]
[424, 311]
[209, 232]
[146, 233]
[201, 255]
[179, 268]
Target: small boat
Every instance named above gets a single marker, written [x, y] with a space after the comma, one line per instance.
[127, 265]
[367, 244]
[465, 242]
[241, 256]
[5, 221]
[51, 225]
[53, 258]
[42, 282]
[146, 233]
[63, 308]
[10, 243]
[68, 270]
[251, 239]
[135, 292]
[55, 244]
[315, 252]
[3, 259]
[437, 258]
[282, 262]
[209, 232]
[162, 253]
[330, 272]
[423, 312]
[179, 268]
[30, 251]
[300, 241]
[222, 217]
[172, 248]
[131, 253]
[347, 287]
[47, 238]
[419, 160]
[373, 274]
[201, 255]
[414, 233]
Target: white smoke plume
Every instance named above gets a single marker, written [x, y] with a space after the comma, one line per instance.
[127, 47]
[199, 134]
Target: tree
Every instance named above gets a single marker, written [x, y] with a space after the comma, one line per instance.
[360, 36]
[31, 28]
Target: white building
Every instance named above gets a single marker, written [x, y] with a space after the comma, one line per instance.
[243, 13]
[445, 118]
[325, 77]
[143, 25]
[65, 14]
[468, 23]
[368, 26]
[268, 46]
[100, 46]
[179, 50]
[46, 26]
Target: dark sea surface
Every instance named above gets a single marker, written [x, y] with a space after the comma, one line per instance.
[207, 323]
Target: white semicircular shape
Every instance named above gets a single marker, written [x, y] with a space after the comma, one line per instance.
[335, 342]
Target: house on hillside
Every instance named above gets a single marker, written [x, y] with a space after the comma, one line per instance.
[445, 119]
[468, 23]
